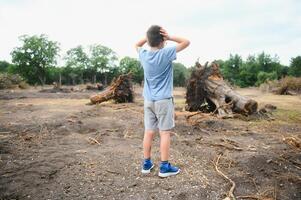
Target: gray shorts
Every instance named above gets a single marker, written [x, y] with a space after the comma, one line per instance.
[159, 114]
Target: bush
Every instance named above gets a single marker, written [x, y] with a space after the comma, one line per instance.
[265, 76]
[286, 85]
[10, 81]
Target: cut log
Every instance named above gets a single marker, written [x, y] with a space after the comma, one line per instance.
[120, 90]
[98, 86]
[208, 92]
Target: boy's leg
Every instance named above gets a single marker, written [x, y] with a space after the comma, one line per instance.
[166, 169]
[165, 113]
[150, 124]
[147, 146]
[164, 145]
[147, 143]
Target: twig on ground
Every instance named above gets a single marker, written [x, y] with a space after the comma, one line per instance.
[231, 142]
[275, 191]
[94, 140]
[256, 187]
[112, 130]
[5, 132]
[204, 131]
[294, 162]
[292, 141]
[225, 146]
[193, 114]
[112, 172]
[223, 105]
[135, 111]
[230, 195]
[194, 122]
[248, 197]
[177, 135]
[260, 196]
[41, 128]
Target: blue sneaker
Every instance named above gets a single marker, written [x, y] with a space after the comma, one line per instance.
[147, 166]
[166, 169]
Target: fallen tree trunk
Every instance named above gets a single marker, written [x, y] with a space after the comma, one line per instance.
[120, 90]
[208, 92]
[98, 86]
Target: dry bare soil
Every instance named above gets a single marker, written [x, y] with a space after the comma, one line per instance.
[54, 146]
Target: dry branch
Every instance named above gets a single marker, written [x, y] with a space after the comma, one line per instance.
[292, 141]
[94, 140]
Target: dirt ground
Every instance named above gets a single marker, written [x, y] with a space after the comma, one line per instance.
[54, 146]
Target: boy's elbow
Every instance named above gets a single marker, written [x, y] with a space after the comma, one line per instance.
[136, 47]
[187, 43]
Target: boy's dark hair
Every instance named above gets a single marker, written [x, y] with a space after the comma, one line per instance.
[153, 36]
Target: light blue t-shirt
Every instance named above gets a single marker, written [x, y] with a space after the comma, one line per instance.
[158, 72]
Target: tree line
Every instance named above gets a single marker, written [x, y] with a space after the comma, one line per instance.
[36, 61]
[257, 69]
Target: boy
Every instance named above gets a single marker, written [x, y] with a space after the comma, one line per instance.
[157, 93]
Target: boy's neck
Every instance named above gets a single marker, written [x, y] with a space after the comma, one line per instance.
[155, 48]
[161, 45]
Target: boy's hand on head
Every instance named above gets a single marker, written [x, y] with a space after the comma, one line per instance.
[164, 33]
[182, 42]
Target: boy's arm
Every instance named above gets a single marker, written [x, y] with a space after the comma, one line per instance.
[140, 43]
[182, 42]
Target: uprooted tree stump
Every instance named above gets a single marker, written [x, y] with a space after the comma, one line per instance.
[120, 90]
[208, 92]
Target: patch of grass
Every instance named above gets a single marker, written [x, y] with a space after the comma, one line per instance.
[180, 101]
[291, 116]
[282, 117]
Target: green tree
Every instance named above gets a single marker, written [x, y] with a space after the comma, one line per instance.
[4, 66]
[77, 59]
[231, 68]
[113, 73]
[295, 67]
[264, 62]
[270, 64]
[54, 74]
[128, 64]
[69, 75]
[180, 74]
[102, 60]
[248, 72]
[34, 57]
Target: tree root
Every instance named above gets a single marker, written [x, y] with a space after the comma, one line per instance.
[230, 195]
[261, 196]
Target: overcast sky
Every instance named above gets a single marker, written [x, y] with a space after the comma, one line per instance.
[215, 28]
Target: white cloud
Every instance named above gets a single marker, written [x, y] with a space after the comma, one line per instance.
[215, 28]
